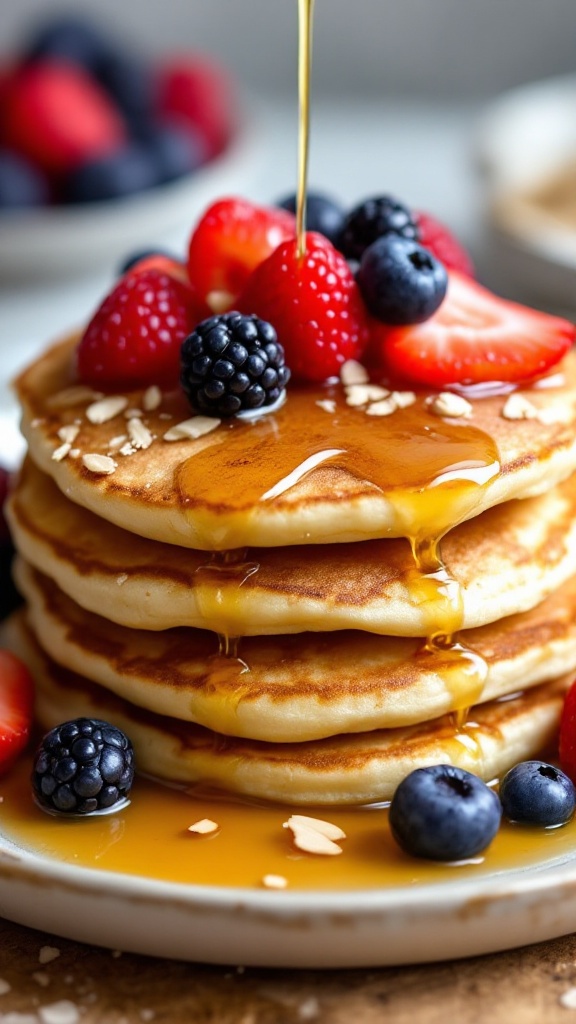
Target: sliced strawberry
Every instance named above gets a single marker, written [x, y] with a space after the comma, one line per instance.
[439, 240]
[16, 707]
[568, 734]
[474, 336]
[135, 336]
[230, 240]
[313, 303]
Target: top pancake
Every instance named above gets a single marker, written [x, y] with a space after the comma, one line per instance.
[318, 470]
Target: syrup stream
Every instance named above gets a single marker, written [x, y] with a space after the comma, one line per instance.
[305, 13]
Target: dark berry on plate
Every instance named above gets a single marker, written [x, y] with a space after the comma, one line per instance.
[536, 793]
[401, 283]
[113, 176]
[370, 220]
[173, 150]
[322, 214]
[21, 182]
[233, 363]
[444, 813]
[145, 254]
[83, 766]
[68, 37]
[129, 81]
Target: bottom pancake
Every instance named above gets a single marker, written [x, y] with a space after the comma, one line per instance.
[346, 769]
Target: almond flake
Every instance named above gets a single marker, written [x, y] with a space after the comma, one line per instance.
[74, 453]
[309, 840]
[60, 453]
[165, 416]
[41, 978]
[219, 302]
[403, 398]
[37, 422]
[327, 404]
[517, 407]
[139, 434]
[361, 394]
[73, 396]
[121, 578]
[106, 408]
[133, 414]
[62, 1012]
[117, 442]
[274, 882]
[69, 432]
[450, 405]
[151, 398]
[99, 463]
[47, 954]
[127, 449]
[325, 828]
[204, 827]
[352, 372]
[192, 429]
[4, 987]
[383, 408]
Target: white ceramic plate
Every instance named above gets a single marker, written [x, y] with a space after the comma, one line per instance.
[524, 138]
[55, 242]
[289, 929]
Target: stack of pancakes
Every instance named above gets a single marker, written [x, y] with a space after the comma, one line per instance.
[306, 606]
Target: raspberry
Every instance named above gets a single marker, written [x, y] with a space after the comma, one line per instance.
[313, 303]
[83, 766]
[135, 336]
[232, 363]
[196, 93]
[441, 243]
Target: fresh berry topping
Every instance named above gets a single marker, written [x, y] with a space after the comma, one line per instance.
[568, 734]
[372, 219]
[21, 183]
[322, 214]
[135, 336]
[155, 259]
[16, 707]
[444, 813]
[69, 37]
[198, 94]
[536, 793]
[474, 336]
[400, 282]
[173, 151]
[83, 766]
[129, 82]
[233, 363]
[129, 169]
[435, 236]
[230, 240]
[58, 117]
[314, 304]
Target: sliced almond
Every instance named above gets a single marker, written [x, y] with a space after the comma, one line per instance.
[385, 407]
[69, 432]
[133, 414]
[274, 882]
[192, 429]
[151, 398]
[101, 464]
[116, 442]
[352, 372]
[326, 828]
[518, 407]
[106, 408]
[139, 434]
[450, 405]
[60, 453]
[219, 302]
[403, 398]
[309, 840]
[127, 449]
[204, 827]
[361, 394]
[72, 396]
[327, 404]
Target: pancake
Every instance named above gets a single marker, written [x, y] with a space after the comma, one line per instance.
[298, 687]
[318, 470]
[505, 561]
[363, 768]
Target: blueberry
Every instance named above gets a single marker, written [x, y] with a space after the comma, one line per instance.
[382, 215]
[175, 151]
[400, 282]
[444, 813]
[536, 793]
[129, 82]
[21, 183]
[114, 176]
[68, 37]
[323, 214]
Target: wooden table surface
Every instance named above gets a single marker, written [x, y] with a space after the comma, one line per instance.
[48, 980]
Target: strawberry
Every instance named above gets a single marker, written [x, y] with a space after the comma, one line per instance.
[134, 338]
[57, 116]
[230, 240]
[16, 707]
[436, 237]
[568, 734]
[474, 336]
[197, 93]
[314, 305]
[162, 262]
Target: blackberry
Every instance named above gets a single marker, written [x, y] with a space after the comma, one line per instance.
[83, 766]
[382, 215]
[232, 363]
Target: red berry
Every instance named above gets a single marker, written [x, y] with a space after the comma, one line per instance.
[314, 305]
[16, 707]
[230, 240]
[135, 336]
[568, 734]
[158, 261]
[196, 92]
[435, 236]
[58, 117]
[474, 336]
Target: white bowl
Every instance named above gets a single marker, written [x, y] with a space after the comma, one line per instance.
[525, 139]
[57, 241]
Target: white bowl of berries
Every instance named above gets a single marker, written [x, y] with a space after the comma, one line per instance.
[102, 152]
